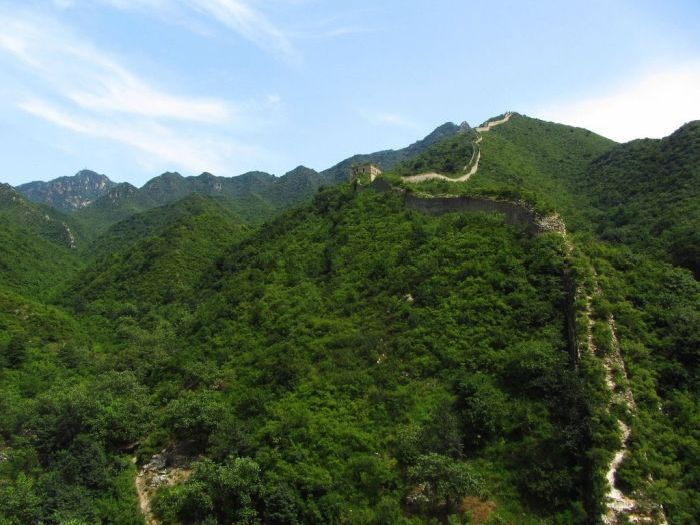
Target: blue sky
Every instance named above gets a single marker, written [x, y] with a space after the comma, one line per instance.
[133, 88]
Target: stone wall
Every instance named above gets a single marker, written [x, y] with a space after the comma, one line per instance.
[514, 213]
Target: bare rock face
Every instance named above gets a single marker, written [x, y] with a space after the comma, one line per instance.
[68, 193]
[551, 223]
[167, 468]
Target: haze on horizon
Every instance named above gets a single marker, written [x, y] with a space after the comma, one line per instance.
[136, 88]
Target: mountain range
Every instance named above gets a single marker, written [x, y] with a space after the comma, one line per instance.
[96, 200]
[513, 337]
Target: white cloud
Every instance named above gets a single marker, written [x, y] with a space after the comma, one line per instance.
[68, 82]
[249, 23]
[654, 104]
[92, 80]
[196, 154]
[240, 16]
[237, 15]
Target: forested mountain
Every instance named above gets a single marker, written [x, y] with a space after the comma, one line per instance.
[154, 258]
[643, 194]
[646, 193]
[354, 359]
[541, 161]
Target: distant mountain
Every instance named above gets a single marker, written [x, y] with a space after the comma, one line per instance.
[68, 193]
[258, 195]
[97, 202]
[119, 203]
[254, 196]
[170, 187]
[387, 159]
[251, 196]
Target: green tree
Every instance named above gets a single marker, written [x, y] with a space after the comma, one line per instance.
[19, 504]
[445, 481]
[15, 352]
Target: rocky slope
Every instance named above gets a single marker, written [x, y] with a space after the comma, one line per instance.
[68, 193]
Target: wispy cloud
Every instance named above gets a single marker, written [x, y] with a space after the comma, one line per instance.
[239, 16]
[249, 23]
[653, 104]
[91, 79]
[383, 118]
[195, 154]
[242, 17]
[70, 83]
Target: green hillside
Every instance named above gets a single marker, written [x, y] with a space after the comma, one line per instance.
[154, 258]
[38, 245]
[336, 332]
[656, 313]
[358, 334]
[449, 156]
[119, 203]
[353, 360]
[646, 194]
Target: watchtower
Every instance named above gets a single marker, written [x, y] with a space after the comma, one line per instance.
[364, 171]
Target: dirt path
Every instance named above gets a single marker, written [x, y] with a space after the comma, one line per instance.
[619, 507]
[617, 503]
[473, 166]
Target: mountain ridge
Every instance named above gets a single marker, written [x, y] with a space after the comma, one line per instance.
[68, 193]
[264, 193]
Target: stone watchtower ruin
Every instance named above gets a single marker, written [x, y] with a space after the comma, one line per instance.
[364, 172]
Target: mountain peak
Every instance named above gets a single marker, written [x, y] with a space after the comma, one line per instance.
[68, 193]
[8, 193]
[88, 173]
[171, 175]
[301, 169]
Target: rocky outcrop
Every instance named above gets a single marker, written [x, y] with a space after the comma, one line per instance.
[164, 469]
[68, 193]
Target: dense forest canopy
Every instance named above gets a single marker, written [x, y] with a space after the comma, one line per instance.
[212, 358]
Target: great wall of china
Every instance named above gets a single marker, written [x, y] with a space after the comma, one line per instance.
[619, 507]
